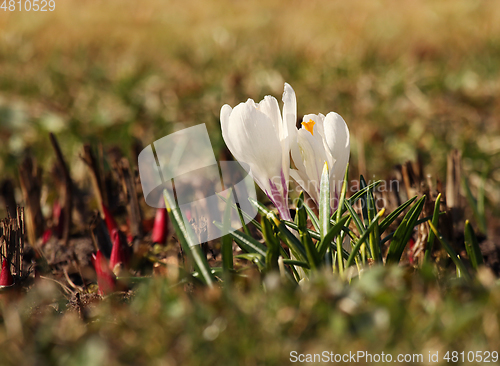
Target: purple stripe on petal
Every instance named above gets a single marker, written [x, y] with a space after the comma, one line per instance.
[284, 185]
[279, 201]
[271, 198]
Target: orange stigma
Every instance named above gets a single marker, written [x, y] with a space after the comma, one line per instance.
[309, 126]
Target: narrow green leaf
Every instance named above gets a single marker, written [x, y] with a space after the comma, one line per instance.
[431, 237]
[386, 222]
[419, 222]
[256, 258]
[476, 206]
[312, 216]
[472, 246]
[242, 220]
[315, 235]
[324, 202]
[311, 252]
[363, 238]
[356, 196]
[246, 242]
[285, 235]
[186, 238]
[359, 224]
[291, 262]
[226, 240]
[371, 211]
[453, 255]
[243, 213]
[273, 244]
[481, 201]
[404, 232]
[293, 243]
[325, 243]
[364, 201]
[339, 216]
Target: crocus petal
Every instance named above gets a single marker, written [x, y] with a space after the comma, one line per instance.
[5, 275]
[106, 280]
[259, 136]
[160, 228]
[120, 251]
[312, 155]
[337, 140]
[110, 221]
[303, 180]
[225, 112]
[269, 106]
[289, 125]
[254, 141]
[289, 112]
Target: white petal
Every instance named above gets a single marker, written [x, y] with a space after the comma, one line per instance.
[337, 140]
[303, 181]
[289, 112]
[313, 156]
[252, 139]
[225, 112]
[269, 106]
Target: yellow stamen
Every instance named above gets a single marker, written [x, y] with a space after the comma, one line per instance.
[309, 125]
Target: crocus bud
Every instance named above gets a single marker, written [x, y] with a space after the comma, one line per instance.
[47, 234]
[106, 280]
[411, 257]
[160, 228]
[110, 221]
[120, 251]
[5, 276]
[58, 217]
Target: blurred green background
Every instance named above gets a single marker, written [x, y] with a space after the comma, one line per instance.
[409, 77]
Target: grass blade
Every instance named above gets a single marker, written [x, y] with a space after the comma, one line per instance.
[453, 255]
[324, 202]
[404, 231]
[243, 213]
[363, 238]
[315, 235]
[291, 240]
[254, 258]
[386, 222]
[472, 246]
[324, 244]
[356, 196]
[273, 245]
[364, 201]
[477, 206]
[339, 216]
[185, 236]
[246, 242]
[291, 262]
[359, 224]
[430, 239]
[226, 240]
[311, 252]
[312, 216]
[375, 234]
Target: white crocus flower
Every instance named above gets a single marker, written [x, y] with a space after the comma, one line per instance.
[321, 139]
[257, 135]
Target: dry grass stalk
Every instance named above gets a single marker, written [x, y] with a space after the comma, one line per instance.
[12, 242]
[67, 192]
[122, 166]
[96, 177]
[30, 175]
[8, 195]
[454, 200]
